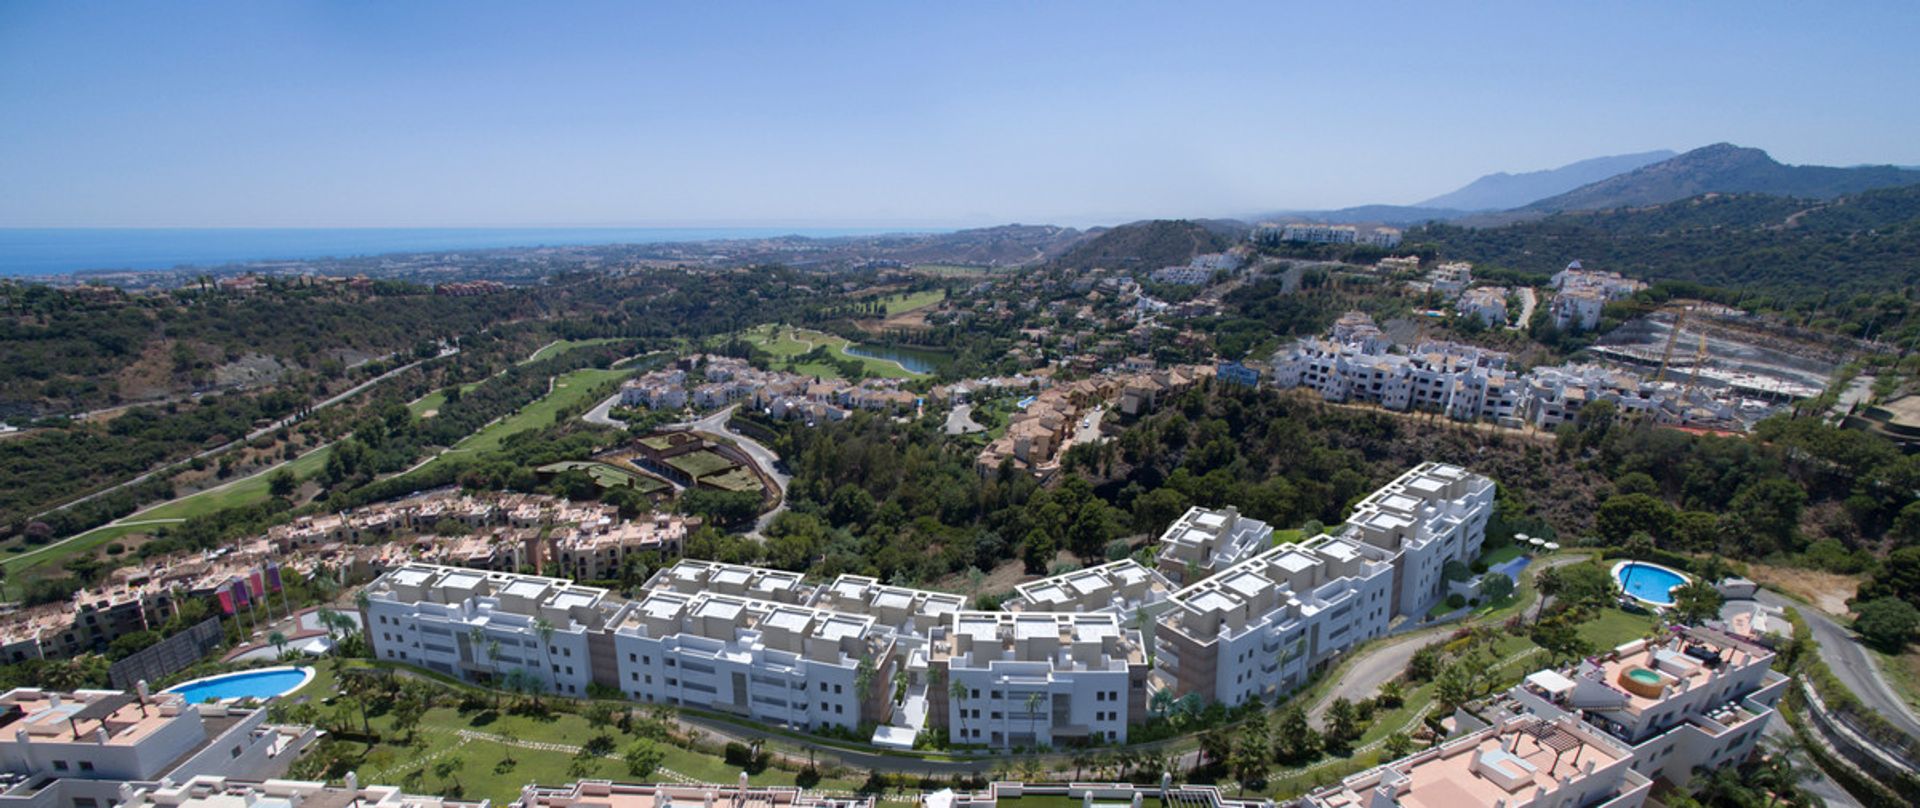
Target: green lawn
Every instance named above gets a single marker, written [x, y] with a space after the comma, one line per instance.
[897, 304]
[1287, 536]
[569, 389]
[491, 770]
[562, 346]
[607, 476]
[786, 343]
[432, 402]
[1613, 627]
[699, 464]
[736, 480]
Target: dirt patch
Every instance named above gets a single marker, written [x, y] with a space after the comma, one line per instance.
[999, 582]
[1826, 590]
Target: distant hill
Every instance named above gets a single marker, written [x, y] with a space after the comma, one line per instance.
[1501, 191]
[1144, 245]
[1794, 249]
[1722, 168]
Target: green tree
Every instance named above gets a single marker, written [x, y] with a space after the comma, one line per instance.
[281, 483]
[1696, 601]
[643, 757]
[1887, 623]
[1342, 725]
[1496, 587]
[1396, 746]
[1560, 637]
[1294, 740]
[1621, 515]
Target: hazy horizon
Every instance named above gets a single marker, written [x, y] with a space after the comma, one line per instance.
[436, 115]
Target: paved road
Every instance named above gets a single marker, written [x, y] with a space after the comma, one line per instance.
[762, 456]
[1528, 302]
[960, 421]
[1851, 664]
[1380, 664]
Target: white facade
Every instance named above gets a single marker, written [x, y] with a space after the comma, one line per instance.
[1039, 679]
[485, 626]
[1258, 628]
[778, 663]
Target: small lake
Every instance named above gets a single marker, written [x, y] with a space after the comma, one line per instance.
[917, 360]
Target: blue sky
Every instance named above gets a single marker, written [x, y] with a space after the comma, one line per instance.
[839, 114]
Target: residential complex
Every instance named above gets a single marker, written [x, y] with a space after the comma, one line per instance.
[1356, 362]
[786, 396]
[1067, 659]
[1258, 628]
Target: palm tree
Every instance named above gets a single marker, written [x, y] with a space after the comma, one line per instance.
[957, 691]
[279, 641]
[1034, 700]
[1161, 703]
[544, 628]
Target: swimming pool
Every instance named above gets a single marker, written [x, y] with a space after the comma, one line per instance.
[261, 684]
[1648, 583]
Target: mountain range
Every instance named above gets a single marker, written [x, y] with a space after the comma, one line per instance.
[1627, 180]
[1503, 191]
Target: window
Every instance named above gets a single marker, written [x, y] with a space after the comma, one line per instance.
[235, 752]
[633, 657]
[86, 765]
[59, 765]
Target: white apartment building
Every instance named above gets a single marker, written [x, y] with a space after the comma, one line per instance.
[1203, 540]
[1430, 515]
[1488, 304]
[1582, 294]
[1038, 678]
[110, 735]
[1121, 587]
[597, 552]
[1385, 238]
[1257, 629]
[1521, 762]
[1465, 382]
[483, 626]
[1694, 701]
[1450, 278]
[779, 663]
[1320, 233]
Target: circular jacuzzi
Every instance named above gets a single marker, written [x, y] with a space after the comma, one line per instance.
[1641, 682]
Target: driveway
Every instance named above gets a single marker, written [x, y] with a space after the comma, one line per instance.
[1851, 664]
[1528, 302]
[960, 421]
[1380, 664]
[764, 457]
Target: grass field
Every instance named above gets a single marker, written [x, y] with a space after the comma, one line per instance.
[244, 491]
[735, 480]
[897, 304]
[569, 389]
[562, 346]
[1613, 627]
[952, 270]
[608, 476]
[786, 343]
[699, 464]
[432, 402]
[489, 769]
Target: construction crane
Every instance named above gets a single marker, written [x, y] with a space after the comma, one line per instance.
[1699, 361]
[1666, 356]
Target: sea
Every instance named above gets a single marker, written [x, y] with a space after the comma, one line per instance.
[59, 251]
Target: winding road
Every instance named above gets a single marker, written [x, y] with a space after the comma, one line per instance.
[1850, 663]
[716, 423]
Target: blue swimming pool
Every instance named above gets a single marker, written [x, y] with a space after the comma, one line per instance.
[260, 684]
[1650, 583]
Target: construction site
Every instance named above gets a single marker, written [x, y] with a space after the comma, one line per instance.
[1726, 353]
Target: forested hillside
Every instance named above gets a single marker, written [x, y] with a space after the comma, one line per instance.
[1144, 245]
[1795, 252]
